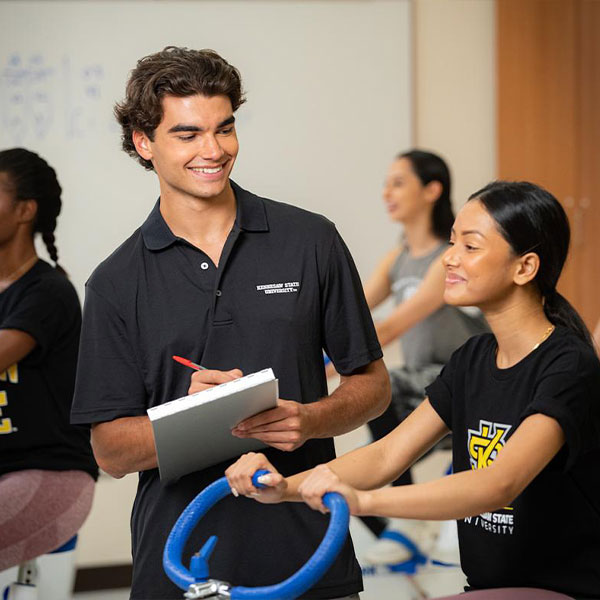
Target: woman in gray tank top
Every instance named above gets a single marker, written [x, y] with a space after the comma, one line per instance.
[417, 196]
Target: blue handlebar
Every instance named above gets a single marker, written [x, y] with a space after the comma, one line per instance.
[292, 587]
[255, 482]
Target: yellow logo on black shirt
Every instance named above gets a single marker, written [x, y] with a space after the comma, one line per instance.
[6, 425]
[12, 375]
[485, 444]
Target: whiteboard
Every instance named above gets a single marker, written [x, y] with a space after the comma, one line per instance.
[329, 105]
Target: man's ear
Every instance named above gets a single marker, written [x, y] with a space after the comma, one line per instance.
[527, 268]
[142, 144]
[27, 210]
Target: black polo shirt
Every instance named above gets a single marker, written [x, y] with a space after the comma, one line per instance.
[285, 288]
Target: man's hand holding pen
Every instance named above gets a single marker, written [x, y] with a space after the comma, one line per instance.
[207, 378]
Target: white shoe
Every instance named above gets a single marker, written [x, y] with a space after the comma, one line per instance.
[400, 542]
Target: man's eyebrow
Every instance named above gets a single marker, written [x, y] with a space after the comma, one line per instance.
[180, 127]
[229, 121]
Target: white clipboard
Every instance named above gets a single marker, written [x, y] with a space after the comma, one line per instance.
[194, 432]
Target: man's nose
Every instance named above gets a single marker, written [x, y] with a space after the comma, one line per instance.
[211, 149]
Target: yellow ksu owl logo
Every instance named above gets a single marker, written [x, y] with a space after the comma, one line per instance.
[12, 375]
[485, 443]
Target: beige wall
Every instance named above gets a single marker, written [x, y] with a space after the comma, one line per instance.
[104, 538]
[454, 88]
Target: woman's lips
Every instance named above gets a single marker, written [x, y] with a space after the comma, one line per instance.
[452, 278]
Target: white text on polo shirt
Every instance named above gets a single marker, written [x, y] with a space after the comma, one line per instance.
[279, 288]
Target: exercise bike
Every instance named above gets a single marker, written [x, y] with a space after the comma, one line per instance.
[196, 581]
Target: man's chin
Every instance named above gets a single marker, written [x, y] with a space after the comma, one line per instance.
[210, 192]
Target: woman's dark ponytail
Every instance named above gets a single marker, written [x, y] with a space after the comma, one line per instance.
[34, 179]
[531, 219]
[560, 312]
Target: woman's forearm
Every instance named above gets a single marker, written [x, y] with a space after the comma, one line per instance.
[453, 497]
[383, 461]
[531, 447]
[354, 468]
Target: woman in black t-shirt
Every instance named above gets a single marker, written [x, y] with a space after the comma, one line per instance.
[47, 470]
[523, 405]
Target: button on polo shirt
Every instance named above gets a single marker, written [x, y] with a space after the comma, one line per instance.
[285, 289]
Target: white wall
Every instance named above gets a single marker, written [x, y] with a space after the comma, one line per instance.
[328, 103]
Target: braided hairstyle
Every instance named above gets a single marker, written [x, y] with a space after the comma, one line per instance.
[34, 179]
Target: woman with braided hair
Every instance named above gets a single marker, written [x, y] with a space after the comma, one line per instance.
[47, 470]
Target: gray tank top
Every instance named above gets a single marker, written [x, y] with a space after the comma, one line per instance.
[432, 340]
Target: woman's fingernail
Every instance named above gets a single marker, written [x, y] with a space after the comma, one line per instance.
[235, 492]
[264, 479]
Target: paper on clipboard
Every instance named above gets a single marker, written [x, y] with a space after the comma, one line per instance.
[194, 432]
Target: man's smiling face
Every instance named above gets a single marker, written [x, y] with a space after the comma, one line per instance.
[194, 146]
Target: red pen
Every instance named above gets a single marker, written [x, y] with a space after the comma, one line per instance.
[189, 363]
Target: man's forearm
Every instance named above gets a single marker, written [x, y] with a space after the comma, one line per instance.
[124, 446]
[358, 399]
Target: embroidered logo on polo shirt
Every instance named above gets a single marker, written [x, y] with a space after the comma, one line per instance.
[289, 287]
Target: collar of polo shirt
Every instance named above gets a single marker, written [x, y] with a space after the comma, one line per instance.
[250, 216]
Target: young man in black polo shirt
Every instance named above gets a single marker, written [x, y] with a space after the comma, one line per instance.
[195, 280]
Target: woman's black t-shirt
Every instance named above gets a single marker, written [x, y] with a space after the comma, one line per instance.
[37, 392]
[549, 537]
